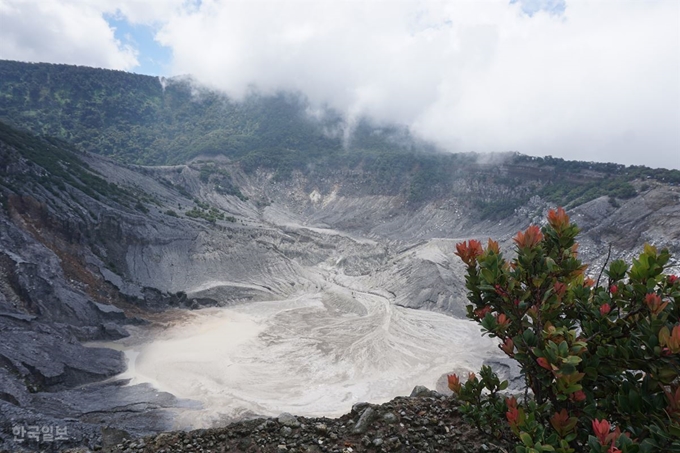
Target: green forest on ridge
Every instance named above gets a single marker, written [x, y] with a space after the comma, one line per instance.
[148, 121]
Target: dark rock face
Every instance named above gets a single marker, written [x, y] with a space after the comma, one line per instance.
[51, 360]
[42, 323]
[87, 414]
[52, 298]
[43, 318]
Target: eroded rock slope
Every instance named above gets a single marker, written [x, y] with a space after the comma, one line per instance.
[89, 246]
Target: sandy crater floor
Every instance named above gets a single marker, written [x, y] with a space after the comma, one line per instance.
[314, 355]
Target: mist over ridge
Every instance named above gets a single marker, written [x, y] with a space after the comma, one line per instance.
[572, 78]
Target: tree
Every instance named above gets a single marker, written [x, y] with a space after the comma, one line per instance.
[601, 359]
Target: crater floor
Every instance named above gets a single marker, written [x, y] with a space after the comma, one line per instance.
[312, 355]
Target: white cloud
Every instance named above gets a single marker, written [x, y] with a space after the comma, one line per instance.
[60, 32]
[147, 12]
[598, 82]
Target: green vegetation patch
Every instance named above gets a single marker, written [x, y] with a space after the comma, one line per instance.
[61, 164]
[137, 119]
[209, 213]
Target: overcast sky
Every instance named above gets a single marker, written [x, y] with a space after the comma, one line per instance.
[580, 79]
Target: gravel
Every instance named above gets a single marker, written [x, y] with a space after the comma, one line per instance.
[405, 424]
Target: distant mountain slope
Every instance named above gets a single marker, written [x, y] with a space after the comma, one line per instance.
[146, 120]
[89, 246]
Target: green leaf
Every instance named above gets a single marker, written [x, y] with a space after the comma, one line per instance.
[572, 360]
[526, 439]
[568, 368]
[624, 441]
[634, 400]
[591, 372]
[573, 388]
[563, 349]
[617, 270]
[529, 337]
[594, 444]
[649, 446]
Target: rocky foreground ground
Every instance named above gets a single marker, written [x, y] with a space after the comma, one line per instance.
[424, 422]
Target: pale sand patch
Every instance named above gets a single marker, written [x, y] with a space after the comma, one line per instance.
[303, 356]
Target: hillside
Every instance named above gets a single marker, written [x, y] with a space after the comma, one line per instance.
[95, 247]
[145, 120]
[94, 250]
